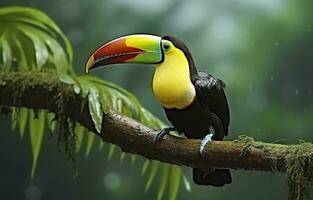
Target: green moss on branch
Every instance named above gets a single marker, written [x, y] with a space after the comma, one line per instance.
[41, 90]
[299, 170]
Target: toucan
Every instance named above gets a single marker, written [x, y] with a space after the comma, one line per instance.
[194, 102]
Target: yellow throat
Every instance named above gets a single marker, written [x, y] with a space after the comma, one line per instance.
[171, 81]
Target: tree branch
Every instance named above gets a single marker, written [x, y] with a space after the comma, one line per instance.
[42, 90]
[39, 90]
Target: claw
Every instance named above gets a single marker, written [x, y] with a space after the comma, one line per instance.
[162, 133]
[204, 141]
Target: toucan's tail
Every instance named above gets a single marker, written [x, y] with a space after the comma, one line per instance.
[215, 177]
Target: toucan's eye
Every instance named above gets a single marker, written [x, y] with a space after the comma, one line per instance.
[166, 46]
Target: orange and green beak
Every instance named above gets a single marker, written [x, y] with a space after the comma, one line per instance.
[145, 49]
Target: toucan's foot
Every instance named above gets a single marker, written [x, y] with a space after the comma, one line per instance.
[204, 141]
[162, 133]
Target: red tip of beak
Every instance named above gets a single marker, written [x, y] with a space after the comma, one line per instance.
[115, 52]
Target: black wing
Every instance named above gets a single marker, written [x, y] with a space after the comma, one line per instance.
[210, 93]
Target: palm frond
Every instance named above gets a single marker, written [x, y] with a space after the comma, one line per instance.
[153, 172]
[22, 121]
[30, 40]
[90, 142]
[79, 131]
[51, 122]
[111, 151]
[104, 96]
[163, 181]
[175, 177]
[36, 130]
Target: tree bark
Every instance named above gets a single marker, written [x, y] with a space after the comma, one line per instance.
[41, 90]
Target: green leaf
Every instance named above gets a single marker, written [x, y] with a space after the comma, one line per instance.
[186, 183]
[36, 130]
[132, 160]
[65, 78]
[29, 39]
[83, 104]
[90, 141]
[174, 182]
[14, 117]
[6, 53]
[76, 88]
[23, 121]
[112, 97]
[41, 52]
[111, 151]
[122, 156]
[163, 180]
[79, 131]
[101, 145]
[95, 110]
[153, 172]
[144, 167]
[51, 122]
[21, 56]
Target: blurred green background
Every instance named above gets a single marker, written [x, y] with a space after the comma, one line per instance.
[263, 50]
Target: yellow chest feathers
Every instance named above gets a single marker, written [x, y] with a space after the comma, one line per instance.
[171, 82]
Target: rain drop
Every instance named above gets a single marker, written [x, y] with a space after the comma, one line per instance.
[297, 91]
[276, 44]
[272, 78]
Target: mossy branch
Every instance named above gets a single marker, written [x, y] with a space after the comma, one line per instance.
[42, 90]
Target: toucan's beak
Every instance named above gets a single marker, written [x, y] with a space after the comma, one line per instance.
[128, 49]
